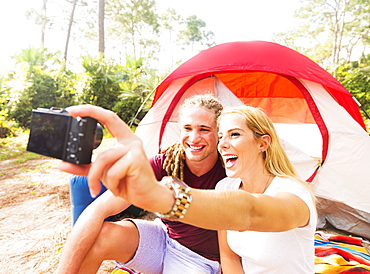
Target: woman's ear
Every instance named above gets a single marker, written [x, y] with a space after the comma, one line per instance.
[266, 140]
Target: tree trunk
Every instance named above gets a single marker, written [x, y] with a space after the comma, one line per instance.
[43, 24]
[69, 29]
[101, 27]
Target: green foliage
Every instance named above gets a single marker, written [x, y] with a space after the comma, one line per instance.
[136, 91]
[355, 76]
[41, 93]
[195, 32]
[367, 124]
[44, 91]
[34, 85]
[123, 89]
[126, 109]
[104, 76]
[5, 131]
[35, 57]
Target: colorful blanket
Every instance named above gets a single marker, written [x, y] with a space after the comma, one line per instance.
[124, 270]
[334, 254]
[340, 254]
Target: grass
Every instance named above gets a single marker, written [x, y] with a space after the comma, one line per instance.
[15, 148]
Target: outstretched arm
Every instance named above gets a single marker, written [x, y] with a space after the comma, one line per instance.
[126, 171]
[86, 230]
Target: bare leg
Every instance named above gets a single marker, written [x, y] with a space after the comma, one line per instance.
[116, 241]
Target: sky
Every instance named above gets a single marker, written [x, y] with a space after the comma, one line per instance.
[230, 20]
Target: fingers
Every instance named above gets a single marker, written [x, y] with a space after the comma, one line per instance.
[81, 170]
[116, 127]
[131, 176]
[102, 165]
[123, 168]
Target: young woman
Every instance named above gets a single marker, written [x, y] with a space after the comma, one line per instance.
[279, 213]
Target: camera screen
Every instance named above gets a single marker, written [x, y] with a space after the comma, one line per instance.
[48, 134]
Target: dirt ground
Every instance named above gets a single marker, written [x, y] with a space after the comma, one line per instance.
[35, 216]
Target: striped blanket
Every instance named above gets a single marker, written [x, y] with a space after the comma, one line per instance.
[334, 254]
[340, 254]
[124, 271]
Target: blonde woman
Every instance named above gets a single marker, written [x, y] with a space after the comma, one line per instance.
[277, 217]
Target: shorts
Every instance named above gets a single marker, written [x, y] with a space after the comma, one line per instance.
[158, 253]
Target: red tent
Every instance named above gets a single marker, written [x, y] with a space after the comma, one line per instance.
[259, 56]
[316, 117]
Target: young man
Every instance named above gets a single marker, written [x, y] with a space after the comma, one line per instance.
[159, 246]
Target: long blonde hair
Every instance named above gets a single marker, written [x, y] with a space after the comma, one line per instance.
[175, 158]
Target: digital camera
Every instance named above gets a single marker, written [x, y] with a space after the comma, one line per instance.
[54, 133]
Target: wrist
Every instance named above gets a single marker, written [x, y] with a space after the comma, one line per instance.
[180, 201]
[167, 199]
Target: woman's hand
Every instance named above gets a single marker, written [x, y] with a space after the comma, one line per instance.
[124, 168]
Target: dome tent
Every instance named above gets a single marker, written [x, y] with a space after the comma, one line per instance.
[318, 121]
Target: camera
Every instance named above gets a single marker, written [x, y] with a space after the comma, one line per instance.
[54, 133]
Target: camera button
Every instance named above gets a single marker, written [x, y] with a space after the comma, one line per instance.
[81, 122]
[73, 147]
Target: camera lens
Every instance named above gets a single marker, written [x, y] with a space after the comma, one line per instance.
[98, 135]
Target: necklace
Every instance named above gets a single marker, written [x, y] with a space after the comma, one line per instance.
[268, 182]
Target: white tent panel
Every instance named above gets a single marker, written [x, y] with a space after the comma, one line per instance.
[348, 155]
[304, 153]
[342, 185]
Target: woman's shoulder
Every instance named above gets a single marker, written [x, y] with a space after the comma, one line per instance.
[228, 183]
[280, 184]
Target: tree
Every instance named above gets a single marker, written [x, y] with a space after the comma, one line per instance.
[133, 20]
[41, 19]
[44, 90]
[168, 21]
[194, 33]
[69, 29]
[101, 47]
[330, 30]
[124, 89]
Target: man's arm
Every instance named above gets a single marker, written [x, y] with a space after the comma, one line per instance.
[87, 229]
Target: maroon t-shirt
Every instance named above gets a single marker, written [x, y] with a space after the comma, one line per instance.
[202, 241]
